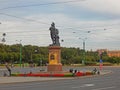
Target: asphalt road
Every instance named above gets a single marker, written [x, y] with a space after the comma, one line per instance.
[103, 82]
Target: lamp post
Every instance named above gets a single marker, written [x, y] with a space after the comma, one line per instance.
[31, 56]
[83, 61]
[3, 39]
[4, 34]
[20, 52]
[40, 62]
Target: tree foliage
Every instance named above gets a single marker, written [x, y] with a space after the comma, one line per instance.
[11, 53]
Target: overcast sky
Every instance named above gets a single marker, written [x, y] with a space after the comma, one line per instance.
[29, 21]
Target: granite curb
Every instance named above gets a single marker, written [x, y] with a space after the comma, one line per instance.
[8, 80]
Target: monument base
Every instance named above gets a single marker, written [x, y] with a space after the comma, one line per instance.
[54, 68]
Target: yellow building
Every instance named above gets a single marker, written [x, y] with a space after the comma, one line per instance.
[113, 53]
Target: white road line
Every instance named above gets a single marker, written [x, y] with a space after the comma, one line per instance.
[105, 88]
[84, 85]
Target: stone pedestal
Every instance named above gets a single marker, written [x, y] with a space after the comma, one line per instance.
[55, 68]
[54, 59]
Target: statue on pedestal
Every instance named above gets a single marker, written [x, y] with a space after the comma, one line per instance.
[54, 51]
[54, 35]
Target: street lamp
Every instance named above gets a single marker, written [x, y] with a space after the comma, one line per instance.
[4, 34]
[31, 56]
[20, 52]
[83, 61]
[3, 39]
[40, 62]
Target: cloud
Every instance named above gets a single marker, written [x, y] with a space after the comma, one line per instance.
[38, 34]
[100, 30]
[101, 6]
[35, 30]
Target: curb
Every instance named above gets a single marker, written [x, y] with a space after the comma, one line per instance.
[18, 79]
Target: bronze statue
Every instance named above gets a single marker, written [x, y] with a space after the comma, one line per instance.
[54, 35]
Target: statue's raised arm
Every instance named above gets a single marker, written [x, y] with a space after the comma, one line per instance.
[54, 35]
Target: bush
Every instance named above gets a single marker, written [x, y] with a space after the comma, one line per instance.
[107, 64]
[90, 63]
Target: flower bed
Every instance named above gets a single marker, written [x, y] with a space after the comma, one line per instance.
[78, 74]
[58, 75]
[68, 75]
[89, 73]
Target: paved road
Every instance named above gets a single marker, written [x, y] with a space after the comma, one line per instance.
[105, 82]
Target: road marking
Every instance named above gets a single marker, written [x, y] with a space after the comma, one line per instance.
[104, 88]
[89, 85]
[84, 85]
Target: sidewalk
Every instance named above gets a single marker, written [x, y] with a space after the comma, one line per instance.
[5, 80]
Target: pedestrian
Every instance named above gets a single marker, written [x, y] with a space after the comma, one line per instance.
[95, 70]
[8, 68]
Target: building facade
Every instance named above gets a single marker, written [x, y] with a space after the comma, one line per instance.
[113, 53]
